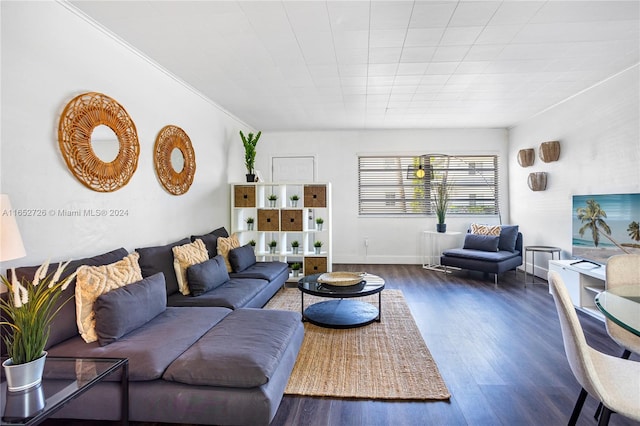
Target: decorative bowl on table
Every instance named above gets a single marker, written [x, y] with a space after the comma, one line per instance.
[341, 279]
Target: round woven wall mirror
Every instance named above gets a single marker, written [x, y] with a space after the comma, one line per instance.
[174, 159]
[91, 157]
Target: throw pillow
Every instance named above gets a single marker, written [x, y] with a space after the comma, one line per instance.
[477, 228]
[206, 276]
[185, 256]
[508, 237]
[241, 258]
[225, 245]
[481, 242]
[94, 281]
[122, 310]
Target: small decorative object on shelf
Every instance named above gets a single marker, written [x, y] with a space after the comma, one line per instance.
[272, 246]
[272, 200]
[294, 200]
[317, 246]
[526, 157]
[549, 151]
[250, 143]
[250, 224]
[319, 222]
[29, 309]
[537, 181]
[252, 243]
[295, 247]
[296, 269]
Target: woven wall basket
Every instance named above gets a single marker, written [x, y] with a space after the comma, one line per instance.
[78, 120]
[549, 151]
[537, 181]
[526, 157]
[171, 138]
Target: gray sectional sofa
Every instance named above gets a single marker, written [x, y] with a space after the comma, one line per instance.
[215, 358]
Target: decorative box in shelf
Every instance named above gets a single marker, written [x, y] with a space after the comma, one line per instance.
[284, 223]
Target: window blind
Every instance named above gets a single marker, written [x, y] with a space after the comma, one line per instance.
[389, 185]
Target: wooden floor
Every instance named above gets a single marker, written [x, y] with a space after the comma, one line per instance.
[499, 350]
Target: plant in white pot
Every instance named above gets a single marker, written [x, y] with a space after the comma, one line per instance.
[250, 143]
[296, 269]
[250, 221]
[319, 222]
[294, 200]
[28, 311]
[317, 246]
[272, 246]
[295, 247]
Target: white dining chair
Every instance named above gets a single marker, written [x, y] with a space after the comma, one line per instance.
[613, 381]
[623, 269]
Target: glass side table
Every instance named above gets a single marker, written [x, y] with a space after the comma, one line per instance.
[64, 380]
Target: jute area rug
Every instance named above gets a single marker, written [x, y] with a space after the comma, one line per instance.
[387, 360]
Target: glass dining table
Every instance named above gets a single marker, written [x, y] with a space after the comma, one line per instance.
[622, 306]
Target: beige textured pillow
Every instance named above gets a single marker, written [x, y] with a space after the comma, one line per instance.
[94, 281]
[185, 256]
[493, 230]
[225, 245]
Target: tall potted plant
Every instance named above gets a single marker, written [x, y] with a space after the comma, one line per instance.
[250, 143]
[441, 203]
[28, 311]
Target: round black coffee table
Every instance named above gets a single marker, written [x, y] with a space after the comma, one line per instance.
[342, 312]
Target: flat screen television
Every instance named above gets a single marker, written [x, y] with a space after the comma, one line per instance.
[605, 225]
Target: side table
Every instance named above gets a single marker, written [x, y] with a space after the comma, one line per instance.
[433, 245]
[533, 250]
[64, 379]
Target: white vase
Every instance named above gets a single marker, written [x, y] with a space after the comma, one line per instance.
[24, 376]
[317, 250]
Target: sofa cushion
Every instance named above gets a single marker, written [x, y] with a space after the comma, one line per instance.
[225, 245]
[254, 343]
[93, 281]
[496, 256]
[205, 276]
[481, 242]
[263, 270]
[123, 310]
[152, 347]
[233, 294]
[508, 237]
[241, 258]
[211, 240]
[160, 259]
[184, 256]
[64, 324]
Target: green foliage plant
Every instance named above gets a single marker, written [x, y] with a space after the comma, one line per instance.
[296, 267]
[317, 244]
[250, 143]
[295, 244]
[441, 200]
[29, 309]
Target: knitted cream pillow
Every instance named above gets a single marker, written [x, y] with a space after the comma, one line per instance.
[94, 281]
[225, 245]
[493, 230]
[185, 256]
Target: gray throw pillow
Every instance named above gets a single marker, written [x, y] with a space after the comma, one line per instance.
[241, 258]
[160, 259]
[124, 309]
[481, 242]
[508, 237]
[205, 276]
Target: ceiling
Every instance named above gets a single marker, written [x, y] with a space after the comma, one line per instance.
[298, 65]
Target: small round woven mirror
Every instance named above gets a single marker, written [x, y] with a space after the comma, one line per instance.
[174, 159]
[90, 158]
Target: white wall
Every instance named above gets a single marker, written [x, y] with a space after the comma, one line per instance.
[391, 239]
[50, 55]
[599, 134]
